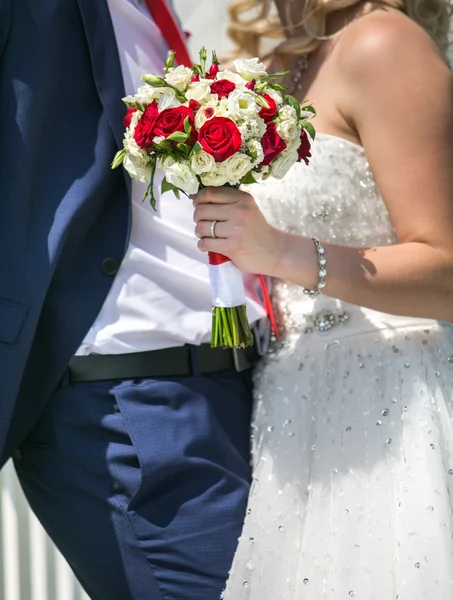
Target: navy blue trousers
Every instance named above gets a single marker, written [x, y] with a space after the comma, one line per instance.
[143, 484]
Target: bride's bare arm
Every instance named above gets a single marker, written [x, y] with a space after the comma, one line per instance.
[398, 95]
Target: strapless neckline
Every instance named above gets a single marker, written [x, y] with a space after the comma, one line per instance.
[340, 140]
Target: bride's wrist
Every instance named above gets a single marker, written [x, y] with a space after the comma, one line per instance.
[299, 262]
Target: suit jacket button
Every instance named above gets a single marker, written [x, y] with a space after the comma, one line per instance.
[110, 266]
[17, 455]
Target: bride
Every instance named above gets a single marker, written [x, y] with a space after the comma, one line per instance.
[353, 430]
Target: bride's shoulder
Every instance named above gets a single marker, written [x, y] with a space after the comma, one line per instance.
[383, 42]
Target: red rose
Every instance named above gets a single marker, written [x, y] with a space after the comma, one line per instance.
[250, 85]
[194, 105]
[223, 88]
[272, 144]
[144, 132]
[268, 113]
[212, 74]
[128, 117]
[195, 78]
[304, 148]
[172, 119]
[220, 137]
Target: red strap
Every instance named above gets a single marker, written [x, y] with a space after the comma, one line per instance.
[268, 306]
[173, 35]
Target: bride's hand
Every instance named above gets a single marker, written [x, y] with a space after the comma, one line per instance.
[242, 233]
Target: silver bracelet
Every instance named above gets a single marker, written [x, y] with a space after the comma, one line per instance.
[322, 274]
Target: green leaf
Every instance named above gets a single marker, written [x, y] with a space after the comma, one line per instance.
[309, 108]
[309, 129]
[187, 126]
[197, 147]
[163, 146]
[119, 157]
[178, 136]
[276, 86]
[294, 103]
[150, 189]
[248, 178]
[169, 187]
[185, 149]
[278, 74]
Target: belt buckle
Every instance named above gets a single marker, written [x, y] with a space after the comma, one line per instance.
[244, 358]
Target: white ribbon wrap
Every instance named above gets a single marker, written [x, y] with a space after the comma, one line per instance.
[227, 285]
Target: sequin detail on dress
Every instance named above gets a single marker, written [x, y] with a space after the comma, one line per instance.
[352, 434]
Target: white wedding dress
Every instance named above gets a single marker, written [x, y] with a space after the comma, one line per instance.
[352, 435]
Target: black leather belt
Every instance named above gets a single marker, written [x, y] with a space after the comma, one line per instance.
[170, 362]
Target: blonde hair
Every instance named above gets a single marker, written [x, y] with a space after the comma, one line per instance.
[434, 16]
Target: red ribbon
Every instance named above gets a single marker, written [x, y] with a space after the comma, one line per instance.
[174, 37]
[217, 259]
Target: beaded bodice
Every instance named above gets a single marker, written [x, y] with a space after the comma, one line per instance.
[335, 199]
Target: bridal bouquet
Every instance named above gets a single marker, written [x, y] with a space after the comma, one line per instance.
[206, 127]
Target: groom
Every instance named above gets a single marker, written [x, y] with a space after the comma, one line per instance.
[130, 434]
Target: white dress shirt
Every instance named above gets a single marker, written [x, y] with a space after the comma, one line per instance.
[161, 295]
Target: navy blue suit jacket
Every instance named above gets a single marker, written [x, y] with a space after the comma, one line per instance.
[62, 209]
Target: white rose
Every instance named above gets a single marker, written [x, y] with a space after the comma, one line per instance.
[236, 167]
[202, 162]
[288, 130]
[287, 112]
[199, 91]
[204, 114]
[242, 106]
[146, 94]
[230, 76]
[215, 178]
[287, 126]
[180, 175]
[213, 109]
[250, 68]
[294, 145]
[283, 163]
[168, 101]
[137, 170]
[179, 77]
[253, 129]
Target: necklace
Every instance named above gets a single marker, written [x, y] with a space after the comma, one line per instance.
[300, 69]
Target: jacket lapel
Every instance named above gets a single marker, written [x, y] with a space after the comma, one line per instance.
[105, 61]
